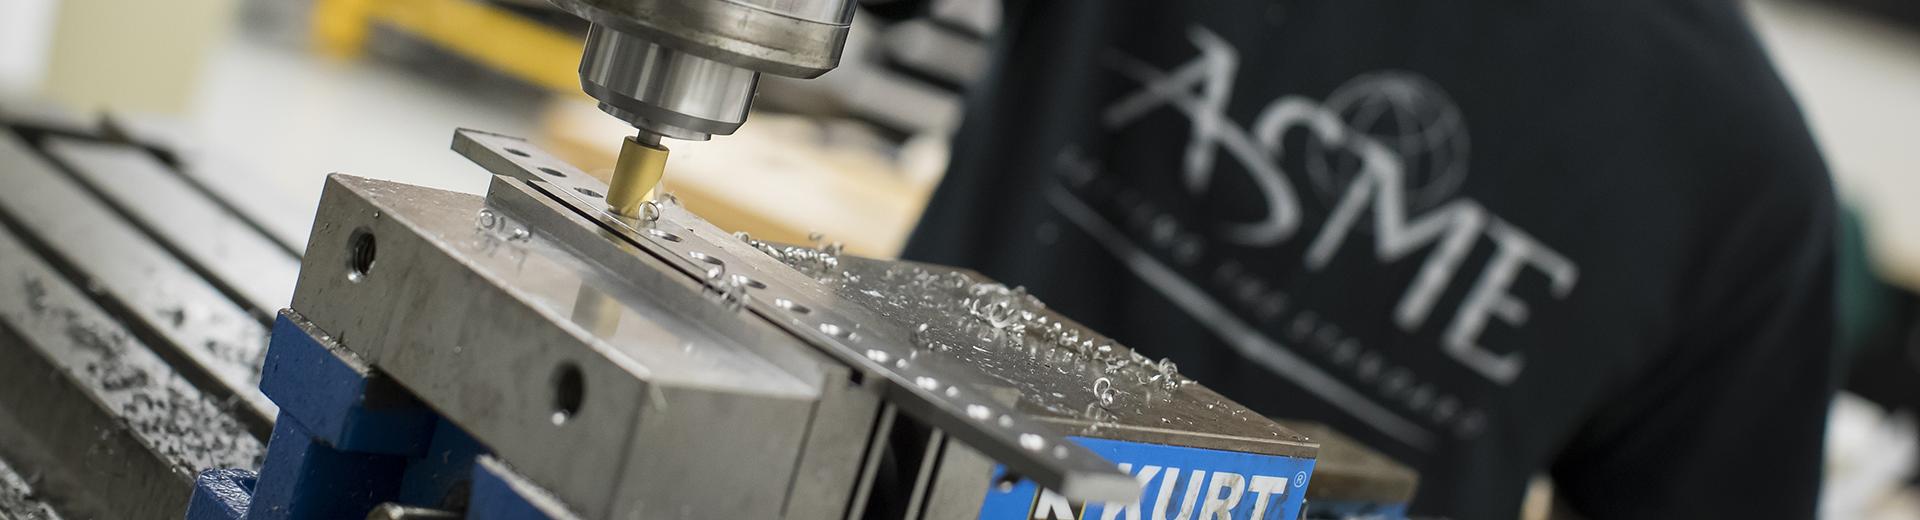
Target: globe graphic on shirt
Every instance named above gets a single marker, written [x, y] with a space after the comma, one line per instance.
[1410, 116]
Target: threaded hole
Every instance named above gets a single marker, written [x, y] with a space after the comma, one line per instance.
[569, 391]
[360, 254]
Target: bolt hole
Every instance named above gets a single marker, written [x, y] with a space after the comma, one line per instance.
[569, 389]
[696, 255]
[742, 280]
[663, 235]
[553, 172]
[360, 253]
[791, 306]
[588, 192]
[516, 151]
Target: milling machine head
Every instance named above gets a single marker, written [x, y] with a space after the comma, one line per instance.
[688, 69]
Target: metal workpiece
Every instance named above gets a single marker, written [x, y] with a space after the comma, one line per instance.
[1064, 373]
[1348, 471]
[208, 338]
[236, 258]
[795, 38]
[662, 90]
[574, 373]
[109, 428]
[944, 393]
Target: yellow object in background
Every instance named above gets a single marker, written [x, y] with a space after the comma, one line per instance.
[487, 34]
[132, 56]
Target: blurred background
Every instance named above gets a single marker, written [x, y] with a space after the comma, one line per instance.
[260, 99]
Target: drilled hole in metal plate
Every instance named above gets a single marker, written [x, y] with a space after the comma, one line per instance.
[1033, 441]
[588, 192]
[360, 254]
[979, 412]
[791, 306]
[696, 255]
[569, 392]
[516, 151]
[663, 235]
[741, 280]
[551, 171]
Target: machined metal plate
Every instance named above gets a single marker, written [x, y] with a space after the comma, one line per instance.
[945, 393]
[1065, 373]
[1348, 471]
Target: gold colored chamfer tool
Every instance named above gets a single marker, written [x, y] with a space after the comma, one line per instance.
[635, 175]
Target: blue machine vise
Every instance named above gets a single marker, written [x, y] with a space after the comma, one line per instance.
[348, 440]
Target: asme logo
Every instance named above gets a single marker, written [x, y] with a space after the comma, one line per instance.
[1405, 183]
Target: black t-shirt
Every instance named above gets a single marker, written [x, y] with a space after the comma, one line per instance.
[1588, 239]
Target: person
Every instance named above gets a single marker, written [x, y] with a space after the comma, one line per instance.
[1585, 239]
